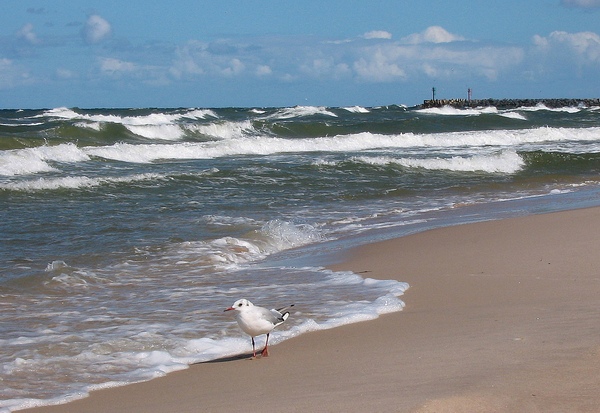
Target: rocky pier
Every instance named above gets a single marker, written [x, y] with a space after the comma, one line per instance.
[509, 103]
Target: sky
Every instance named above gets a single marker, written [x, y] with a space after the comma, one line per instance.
[223, 53]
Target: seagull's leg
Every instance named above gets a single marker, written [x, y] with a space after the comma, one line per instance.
[265, 352]
[253, 347]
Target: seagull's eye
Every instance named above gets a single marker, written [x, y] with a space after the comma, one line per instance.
[240, 304]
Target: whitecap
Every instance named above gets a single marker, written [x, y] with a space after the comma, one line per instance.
[301, 111]
[513, 115]
[452, 111]
[73, 182]
[34, 160]
[357, 109]
[505, 162]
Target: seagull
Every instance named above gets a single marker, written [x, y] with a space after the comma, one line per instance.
[255, 320]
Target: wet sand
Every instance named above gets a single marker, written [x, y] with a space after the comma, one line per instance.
[501, 316]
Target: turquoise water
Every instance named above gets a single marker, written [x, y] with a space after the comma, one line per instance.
[126, 232]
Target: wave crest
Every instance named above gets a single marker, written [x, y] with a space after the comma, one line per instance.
[505, 162]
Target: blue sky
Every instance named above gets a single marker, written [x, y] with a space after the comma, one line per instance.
[184, 53]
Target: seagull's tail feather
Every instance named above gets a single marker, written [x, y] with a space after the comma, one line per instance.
[282, 314]
[284, 309]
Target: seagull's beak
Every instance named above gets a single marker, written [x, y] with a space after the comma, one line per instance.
[228, 309]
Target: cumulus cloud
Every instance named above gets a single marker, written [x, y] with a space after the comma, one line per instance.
[233, 67]
[433, 34]
[26, 33]
[381, 64]
[96, 29]
[221, 59]
[434, 53]
[583, 4]
[582, 48]
[403, 62]
[377, 34]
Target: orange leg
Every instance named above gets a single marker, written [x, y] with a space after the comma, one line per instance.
[265, 352]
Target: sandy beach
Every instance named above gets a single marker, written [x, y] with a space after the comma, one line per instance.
[501, 316]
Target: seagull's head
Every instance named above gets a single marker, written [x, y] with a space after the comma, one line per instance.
[240, 305]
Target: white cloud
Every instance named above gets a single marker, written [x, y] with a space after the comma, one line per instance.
[220, 59]
[380, 64]
[583, 4]
[377, 34]
[263, 70]
[63, 73]
[96, 29]
[186, 60]
[111, 66]
[325, 67]
[26, 33]
[433, 34]
[582, 48]
[435, 53]
[234, 67]
[13, 75]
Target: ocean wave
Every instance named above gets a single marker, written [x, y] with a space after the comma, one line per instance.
[157, 125]
[73, 182]
[542, 107]
[513, 115]
[168, 132]
[263, 145]
[16, 125]
[270, 238]
[155, 118]
[301, 111]
[505, 162]
[144, 153]
[34, 160]
[40, 159]
[452, 111]
[224, 130]
[180, 131]
[357, 109]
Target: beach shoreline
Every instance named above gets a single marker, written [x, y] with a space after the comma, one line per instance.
[500, 316]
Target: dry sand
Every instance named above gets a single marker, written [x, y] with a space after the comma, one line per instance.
[501, 316]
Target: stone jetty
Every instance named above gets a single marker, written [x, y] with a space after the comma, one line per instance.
[508, 103]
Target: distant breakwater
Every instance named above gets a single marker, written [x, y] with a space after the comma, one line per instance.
[508, 103]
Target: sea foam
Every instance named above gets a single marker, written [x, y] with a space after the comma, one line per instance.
[163, 126]
[451, 111]
[266, 145]
[34, 160]
[301, 111]
[74, 182]
[504, 162]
